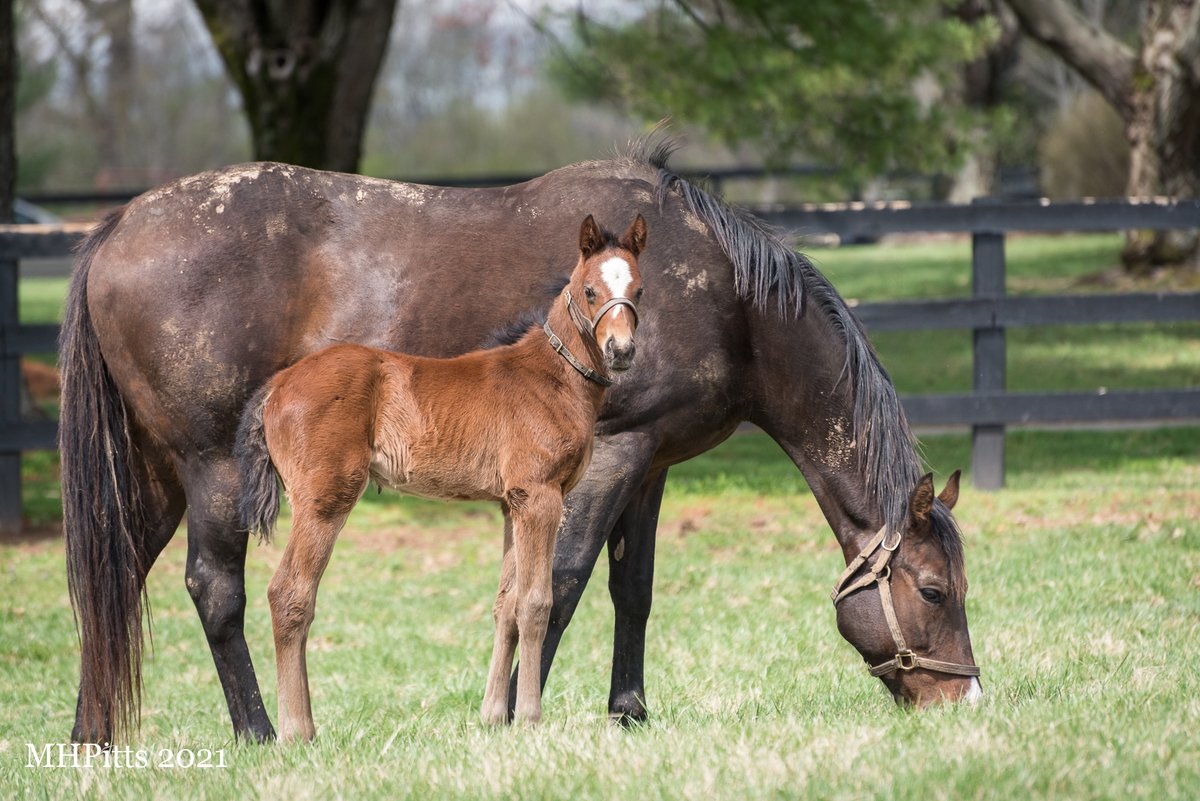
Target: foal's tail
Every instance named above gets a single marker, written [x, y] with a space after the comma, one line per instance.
[259, 505]
[103, 520]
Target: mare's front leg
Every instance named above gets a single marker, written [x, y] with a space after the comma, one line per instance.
[292, 594]
[614, 477]
[216, 581]
[535, 526]
[494, 710]
[631, 586]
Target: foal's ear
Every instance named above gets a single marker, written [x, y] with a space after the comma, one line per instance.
[634, 240]
[590, 237]
[949, 494]
[921, 503]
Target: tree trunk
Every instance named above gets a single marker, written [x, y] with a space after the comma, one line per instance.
[305, 70]
[981, 87]
[8, 110]
[1163, 129]
[1157, 93]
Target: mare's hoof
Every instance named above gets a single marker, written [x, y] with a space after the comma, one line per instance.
[627, 710]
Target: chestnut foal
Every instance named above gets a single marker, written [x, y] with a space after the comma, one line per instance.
[512, 424]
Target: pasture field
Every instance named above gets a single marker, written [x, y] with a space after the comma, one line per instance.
[1084, 609]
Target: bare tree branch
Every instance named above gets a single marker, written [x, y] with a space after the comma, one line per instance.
[1101, 59]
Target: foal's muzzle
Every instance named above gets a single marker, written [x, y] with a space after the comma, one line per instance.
[619, 355]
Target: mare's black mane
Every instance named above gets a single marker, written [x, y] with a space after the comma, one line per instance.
[766, 270]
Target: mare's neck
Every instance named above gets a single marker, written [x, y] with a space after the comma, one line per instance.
[805, 400]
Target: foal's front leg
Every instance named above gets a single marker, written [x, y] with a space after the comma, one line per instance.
[535, 525]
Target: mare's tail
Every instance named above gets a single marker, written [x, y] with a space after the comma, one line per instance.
[103, 521]
[259, 505]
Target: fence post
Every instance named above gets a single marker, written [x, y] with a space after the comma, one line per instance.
[10, 400]
[989, 354]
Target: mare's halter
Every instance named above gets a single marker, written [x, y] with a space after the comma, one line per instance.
[880, 572]
[587, 328]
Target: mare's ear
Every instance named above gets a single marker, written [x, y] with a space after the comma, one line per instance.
[634, 240]
[949, 495]
[920, 504]
[590, 238]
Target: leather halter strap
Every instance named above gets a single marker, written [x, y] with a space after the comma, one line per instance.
[580, 319]
[880, 572]
[562, 350]
[613, 303]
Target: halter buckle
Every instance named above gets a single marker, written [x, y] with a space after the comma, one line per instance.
[906, 660]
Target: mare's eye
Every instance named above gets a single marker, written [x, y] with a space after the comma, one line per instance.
[589, 293]
[932, 596]
[638, 295]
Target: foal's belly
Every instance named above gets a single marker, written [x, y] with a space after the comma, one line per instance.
[443, 482]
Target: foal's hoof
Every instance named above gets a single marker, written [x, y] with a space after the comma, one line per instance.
[494, 715]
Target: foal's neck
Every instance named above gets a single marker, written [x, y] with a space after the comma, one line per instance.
[581, 345]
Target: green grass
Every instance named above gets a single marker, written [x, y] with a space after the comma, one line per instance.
[1084, 610]
[1084, 605]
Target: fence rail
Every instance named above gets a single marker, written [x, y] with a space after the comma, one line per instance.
[988, 312]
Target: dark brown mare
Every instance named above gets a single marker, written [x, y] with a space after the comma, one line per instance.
[188, 299]
[512, 424]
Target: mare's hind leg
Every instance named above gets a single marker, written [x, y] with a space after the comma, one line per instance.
[535, 526]
[163, 503]
[494, 710]
[216, 581]
[630, 584]
[293, 597]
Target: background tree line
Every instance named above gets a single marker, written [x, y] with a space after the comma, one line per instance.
[1102, 95]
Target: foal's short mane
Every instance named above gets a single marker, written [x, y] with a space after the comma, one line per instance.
[765, 268]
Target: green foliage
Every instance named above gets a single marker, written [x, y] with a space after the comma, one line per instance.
[833, 80]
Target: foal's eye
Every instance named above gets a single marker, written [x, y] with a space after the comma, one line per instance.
[589, 293]
[932, 596]
[638, 295]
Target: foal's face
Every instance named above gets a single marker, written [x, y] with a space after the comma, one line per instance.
[928, 592]
[609, 272]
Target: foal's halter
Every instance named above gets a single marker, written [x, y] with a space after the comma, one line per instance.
[581, 320]
[880, 572]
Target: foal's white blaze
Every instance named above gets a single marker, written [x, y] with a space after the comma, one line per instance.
[975, 694]
[617, 276]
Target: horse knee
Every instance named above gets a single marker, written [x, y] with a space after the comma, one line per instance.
[220, 599]
[534, 609]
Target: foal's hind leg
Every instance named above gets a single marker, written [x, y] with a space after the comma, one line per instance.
[535, 524]
[292, 594]
[494, 710]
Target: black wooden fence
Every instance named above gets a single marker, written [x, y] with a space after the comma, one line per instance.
[988, 313]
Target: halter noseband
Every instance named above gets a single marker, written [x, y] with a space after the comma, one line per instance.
[577, 316]
[880, 572]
